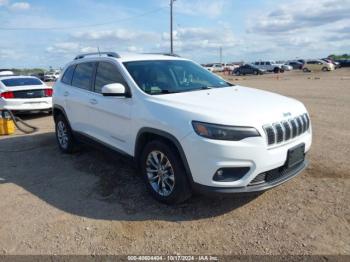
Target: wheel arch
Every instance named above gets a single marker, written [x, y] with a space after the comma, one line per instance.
[147, 134]
[58, 110]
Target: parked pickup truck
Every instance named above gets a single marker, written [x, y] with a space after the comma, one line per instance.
[270, 66]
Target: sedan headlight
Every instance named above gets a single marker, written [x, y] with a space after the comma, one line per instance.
[222, 132]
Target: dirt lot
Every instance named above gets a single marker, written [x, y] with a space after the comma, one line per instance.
[93, 202]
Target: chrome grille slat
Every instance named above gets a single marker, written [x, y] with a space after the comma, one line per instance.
[295, 128]
[286, 130]
[300, 126]
[279, 133]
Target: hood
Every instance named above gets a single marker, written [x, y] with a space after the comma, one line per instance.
[236, 105]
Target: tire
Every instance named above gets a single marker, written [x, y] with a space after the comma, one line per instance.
[324, 69]
[237, 73]
[64, 135]
[305, 70]
[255, 72]
[276, 70]
[166, 182]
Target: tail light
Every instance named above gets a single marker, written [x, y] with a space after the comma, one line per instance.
[48, 92]
[7, 95]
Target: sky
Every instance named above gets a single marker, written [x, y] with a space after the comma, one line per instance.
[43, 33]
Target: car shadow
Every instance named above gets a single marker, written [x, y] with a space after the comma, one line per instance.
[95, 183]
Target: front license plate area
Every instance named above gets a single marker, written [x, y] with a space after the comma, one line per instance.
[295, 155]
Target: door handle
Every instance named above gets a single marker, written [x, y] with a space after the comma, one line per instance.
[93, 101]
[66, 93]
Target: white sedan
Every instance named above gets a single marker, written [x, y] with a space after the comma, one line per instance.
[286, 67]
[24, 93]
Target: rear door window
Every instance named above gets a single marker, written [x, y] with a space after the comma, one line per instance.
[107, 73]
[83, 75]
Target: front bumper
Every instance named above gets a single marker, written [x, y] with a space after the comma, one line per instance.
[205, 157]
[285, 175]
[33, 104]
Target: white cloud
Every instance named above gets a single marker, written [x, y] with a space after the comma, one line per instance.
[10, 54]
[209, 8]
[88, 49]
[19, 6]
[135, 49]
[71, 48]
[193, 38]
[3, 2]
[300, 14]
[122, 35]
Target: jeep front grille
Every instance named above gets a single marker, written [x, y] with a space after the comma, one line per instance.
[286, 130]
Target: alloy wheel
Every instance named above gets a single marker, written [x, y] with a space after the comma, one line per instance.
[62, 134]
[160, 173]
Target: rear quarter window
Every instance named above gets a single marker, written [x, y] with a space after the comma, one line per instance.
[68, 75]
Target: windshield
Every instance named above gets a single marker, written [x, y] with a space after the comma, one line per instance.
[21, 82]
[172, 76]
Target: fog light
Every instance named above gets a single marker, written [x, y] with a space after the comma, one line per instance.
[230, 174]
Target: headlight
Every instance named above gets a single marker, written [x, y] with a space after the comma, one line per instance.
[221, 132]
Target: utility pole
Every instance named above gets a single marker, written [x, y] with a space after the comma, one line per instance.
[220, 54]
[171, 26]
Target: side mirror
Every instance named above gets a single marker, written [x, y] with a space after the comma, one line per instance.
[115, 89]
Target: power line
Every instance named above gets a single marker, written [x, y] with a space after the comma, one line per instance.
[81, 26]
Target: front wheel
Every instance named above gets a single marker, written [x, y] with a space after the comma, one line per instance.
[164, 173]
[305, 70]
[324, 69]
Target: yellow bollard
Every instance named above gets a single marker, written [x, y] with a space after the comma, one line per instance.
[7, 126]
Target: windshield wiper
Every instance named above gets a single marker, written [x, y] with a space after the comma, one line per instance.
[206, 87]
[164, 91]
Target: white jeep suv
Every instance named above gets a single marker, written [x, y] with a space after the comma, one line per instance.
[187, 129]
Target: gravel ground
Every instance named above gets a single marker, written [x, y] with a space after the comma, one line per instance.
[93, 202]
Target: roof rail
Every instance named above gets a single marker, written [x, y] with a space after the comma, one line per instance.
[110, 54]
[165, 54]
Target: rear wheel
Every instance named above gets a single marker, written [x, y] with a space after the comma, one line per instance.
[164, 173]
[238, 73]
[64, 135]
[255, 72]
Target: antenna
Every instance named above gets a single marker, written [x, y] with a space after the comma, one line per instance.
[98, 49]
